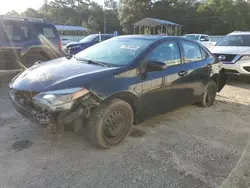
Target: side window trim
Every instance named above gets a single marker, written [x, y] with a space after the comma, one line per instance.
[165, 41]
[204, 51]
[181, 51]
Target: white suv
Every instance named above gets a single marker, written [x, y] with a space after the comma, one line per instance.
[234, 52]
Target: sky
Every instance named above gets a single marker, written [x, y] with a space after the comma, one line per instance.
[21, 5]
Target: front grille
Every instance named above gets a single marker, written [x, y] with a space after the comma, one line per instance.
[228, 57]
[25, 97]
[247, 69]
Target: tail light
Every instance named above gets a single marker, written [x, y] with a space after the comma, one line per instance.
[60, 45]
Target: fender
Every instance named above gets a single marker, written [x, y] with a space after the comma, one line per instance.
[133, 100]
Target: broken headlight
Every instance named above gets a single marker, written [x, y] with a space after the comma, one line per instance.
[59, 100]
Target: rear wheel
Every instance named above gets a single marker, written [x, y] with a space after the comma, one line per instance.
[110, 123]
[209, 95]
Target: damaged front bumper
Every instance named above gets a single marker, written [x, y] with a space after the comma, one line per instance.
[44, 117]
[29, 113]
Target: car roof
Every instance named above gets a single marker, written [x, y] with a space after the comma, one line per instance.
[149, 37]
[240, 32]
[21, 18]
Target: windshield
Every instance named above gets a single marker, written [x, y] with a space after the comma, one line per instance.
[116, 51]
[192, 37]
[235, 40]
[88, 38]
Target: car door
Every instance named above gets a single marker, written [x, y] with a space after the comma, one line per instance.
[166, 89]
[197, 66]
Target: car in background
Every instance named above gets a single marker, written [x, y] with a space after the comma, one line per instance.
[65, 42]
[118, 82]
[203, 39]
[75, 47]
[234, 52]
[23, 41]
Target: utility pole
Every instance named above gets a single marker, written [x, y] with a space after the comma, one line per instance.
[104, 17]
[104, 20]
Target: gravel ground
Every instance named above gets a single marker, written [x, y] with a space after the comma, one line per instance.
[189, 147]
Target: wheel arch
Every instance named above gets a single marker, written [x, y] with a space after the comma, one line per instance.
[128, 97]
[220, 79]
[215, 78]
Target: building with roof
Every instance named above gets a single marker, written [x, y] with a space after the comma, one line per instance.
[73, 33]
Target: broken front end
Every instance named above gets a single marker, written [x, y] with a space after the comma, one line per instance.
[55, 108]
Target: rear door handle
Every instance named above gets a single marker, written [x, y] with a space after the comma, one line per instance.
[182, 73]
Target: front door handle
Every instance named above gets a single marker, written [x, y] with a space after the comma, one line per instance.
[182, 73]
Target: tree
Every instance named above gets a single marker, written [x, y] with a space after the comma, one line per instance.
[130, 11]
[30, 12]
[12, 13]
[196, 16]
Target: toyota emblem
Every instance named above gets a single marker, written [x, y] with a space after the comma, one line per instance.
[222, 57]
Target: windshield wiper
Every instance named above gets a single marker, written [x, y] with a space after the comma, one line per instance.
[93, 62]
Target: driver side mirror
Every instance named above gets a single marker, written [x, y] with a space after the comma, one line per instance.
[156, 65]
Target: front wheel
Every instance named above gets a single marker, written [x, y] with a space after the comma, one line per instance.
[209, 95]
[110, 123]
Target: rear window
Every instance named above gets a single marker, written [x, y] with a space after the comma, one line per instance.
[46, 30]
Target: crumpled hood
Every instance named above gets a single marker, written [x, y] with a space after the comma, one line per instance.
[237, 50]
[60, 74]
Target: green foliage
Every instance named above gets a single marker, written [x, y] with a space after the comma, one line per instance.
[196, 16]
[130, 11]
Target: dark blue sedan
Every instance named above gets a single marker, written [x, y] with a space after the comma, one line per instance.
[118, 83]
[74, 47]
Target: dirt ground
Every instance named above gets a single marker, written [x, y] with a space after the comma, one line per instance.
[189, 147]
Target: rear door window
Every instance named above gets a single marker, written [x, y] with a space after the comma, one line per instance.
[191, 51]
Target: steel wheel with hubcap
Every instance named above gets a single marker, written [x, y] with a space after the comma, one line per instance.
[110, 123]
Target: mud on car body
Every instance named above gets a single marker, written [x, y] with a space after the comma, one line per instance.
[135, 78]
